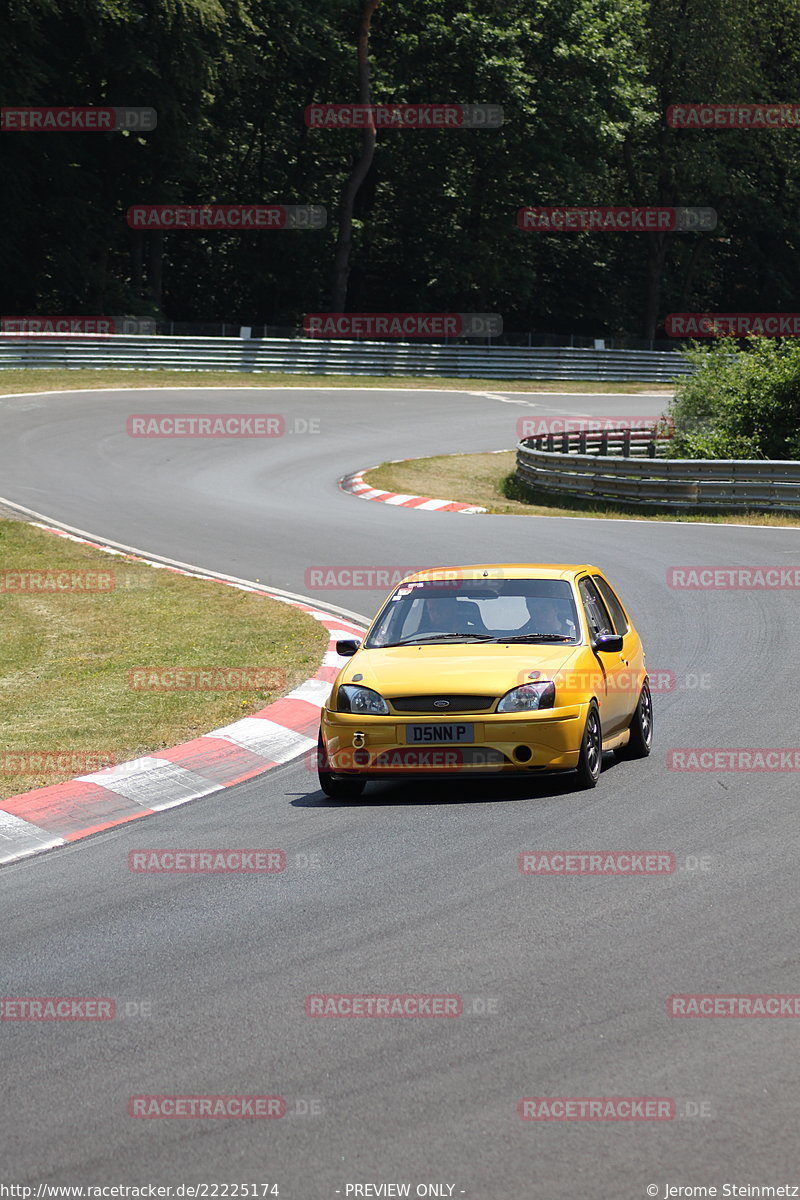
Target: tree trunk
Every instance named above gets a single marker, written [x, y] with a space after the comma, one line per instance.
[344, 244]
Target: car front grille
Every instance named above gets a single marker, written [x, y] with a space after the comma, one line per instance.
[455, 704]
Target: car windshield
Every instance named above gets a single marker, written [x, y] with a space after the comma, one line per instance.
[479, 610]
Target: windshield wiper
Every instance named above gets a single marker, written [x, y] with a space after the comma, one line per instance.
[537, 637]
[440, 637]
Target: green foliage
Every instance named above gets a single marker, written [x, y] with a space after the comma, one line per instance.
[584, 85]
[739, 403]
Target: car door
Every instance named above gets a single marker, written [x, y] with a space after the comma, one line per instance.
[613, 698]
[632, 650]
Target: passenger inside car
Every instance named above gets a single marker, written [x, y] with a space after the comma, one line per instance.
[446, 614]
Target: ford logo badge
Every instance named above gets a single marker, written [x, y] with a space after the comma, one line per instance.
[441, 704]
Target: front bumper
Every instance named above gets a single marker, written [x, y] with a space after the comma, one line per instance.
[503, 743]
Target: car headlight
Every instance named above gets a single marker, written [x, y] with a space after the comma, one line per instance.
[361, 700]
[528, 697]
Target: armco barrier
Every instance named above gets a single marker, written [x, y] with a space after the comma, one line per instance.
[677, 483]
[312, 356]
[620, 440]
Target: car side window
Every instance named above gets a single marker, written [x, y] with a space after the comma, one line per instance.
[594, 606]
[613, 604]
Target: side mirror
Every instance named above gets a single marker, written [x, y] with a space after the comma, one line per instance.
[347, 647]
[608, 643]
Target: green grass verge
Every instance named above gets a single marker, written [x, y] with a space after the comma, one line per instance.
[65, 657]
[34, 379]
[488, 480]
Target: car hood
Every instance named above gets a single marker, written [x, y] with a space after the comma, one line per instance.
[478, 669]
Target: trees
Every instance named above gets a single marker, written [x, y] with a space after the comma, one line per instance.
[712, 51]
[429, 216]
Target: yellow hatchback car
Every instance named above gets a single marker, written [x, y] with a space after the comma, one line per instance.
[512, 668]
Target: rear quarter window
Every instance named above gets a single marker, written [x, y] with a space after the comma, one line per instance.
[596, 612]
[612, 604]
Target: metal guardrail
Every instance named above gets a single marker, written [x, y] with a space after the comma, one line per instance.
[746, 485]
[312, 356]
[622, 440]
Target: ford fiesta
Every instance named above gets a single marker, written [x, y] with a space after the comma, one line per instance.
[512, 668]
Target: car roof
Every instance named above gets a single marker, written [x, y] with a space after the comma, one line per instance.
[504, 571]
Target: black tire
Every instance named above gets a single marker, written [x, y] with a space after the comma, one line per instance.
[590, 762]
[337, 787]
[640, 742]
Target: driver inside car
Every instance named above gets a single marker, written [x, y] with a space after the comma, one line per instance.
[547, 615]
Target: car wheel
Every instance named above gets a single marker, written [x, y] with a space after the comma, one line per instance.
[337, 787]
[640, 742]
[591, 756]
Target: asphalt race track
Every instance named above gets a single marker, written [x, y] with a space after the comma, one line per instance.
[564, 980]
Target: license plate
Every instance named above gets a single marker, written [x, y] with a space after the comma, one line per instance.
[434, 735]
